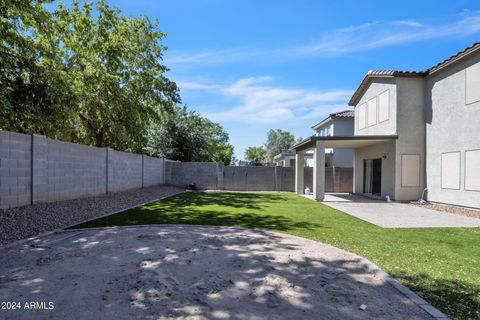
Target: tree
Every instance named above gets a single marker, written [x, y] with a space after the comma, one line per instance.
[85, 73]
[186, 136]
[278, 141]
[114, 65]
[234, 161]
[35, 96]
[256, 155]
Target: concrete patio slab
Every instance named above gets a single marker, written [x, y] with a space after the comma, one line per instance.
[397, 215]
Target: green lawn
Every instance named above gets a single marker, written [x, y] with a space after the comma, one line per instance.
[441, 265]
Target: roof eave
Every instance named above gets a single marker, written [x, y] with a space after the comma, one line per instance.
[453, 60]
[322, 123]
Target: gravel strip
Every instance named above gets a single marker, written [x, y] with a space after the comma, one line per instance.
[27, 221]
[452, 209]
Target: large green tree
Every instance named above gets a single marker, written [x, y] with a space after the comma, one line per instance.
[186, 136]
[35, 95]
[115, 68]
[256, 155]
[278, 141]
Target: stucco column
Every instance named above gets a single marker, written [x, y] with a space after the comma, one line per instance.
[299, 166]
[319, 171]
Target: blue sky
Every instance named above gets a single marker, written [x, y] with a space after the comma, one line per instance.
[254, 65]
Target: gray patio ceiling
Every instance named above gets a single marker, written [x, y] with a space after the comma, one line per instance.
[343, 142]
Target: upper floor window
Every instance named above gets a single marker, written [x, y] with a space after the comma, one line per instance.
[372, 111]
[326, 131]
[362, 116]
[472, 83]
[383, 106]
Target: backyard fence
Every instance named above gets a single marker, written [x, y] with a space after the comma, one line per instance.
[36, 169]
[216, 176]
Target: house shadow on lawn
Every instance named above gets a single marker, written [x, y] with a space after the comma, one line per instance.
[185, 272]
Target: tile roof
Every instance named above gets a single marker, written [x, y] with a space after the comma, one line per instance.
[474, 47]
[339, 114]
[343, 114]
[414, 74]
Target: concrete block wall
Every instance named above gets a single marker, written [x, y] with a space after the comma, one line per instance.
[35, 169]
[153, 171]
[74, 171]
[205, 175]
[250, 178]
[215, 176]
[336, 179]
[125, 171]
[15, 169]
[343, 180]
[285, 178]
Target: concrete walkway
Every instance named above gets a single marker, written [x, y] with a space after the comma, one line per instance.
[397, 215]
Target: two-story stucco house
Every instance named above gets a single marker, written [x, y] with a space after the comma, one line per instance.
[337, 124]
[413, 131]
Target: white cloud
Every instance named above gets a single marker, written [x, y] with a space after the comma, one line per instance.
[191, 85]
[261, 103]
[342, 41]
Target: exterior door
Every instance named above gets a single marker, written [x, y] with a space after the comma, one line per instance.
[372, 176]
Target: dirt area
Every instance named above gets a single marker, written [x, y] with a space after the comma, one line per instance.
[452, 209]
[192, 272]
[27, 221]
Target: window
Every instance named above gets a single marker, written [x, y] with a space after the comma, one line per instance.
[472, 170]
[329, 131]
[410, 170]
[450, 170]
[383, 106]
[326, 131]
[372, 112]
[362, 116]
[472, 83]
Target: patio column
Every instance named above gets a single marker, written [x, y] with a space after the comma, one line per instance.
[319, 171]
[299, 168]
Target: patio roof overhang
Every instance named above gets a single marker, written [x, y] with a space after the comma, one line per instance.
[343, 141]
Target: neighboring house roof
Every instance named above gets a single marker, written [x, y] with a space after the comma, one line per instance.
[343, 114]
[339, 114]
[292, 154]
[283, 154]
[409, 74]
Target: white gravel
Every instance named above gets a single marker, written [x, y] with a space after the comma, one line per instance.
[473, 213]
[27, 221]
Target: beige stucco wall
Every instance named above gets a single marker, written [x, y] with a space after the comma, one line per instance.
[411, 134]
[375, 88]
[452, 125]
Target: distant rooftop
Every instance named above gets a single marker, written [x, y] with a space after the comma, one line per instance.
[343, 114]
[339, 114]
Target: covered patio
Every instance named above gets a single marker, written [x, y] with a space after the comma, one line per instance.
[318, 145]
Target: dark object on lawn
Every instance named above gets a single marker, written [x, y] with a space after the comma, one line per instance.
[191, 186]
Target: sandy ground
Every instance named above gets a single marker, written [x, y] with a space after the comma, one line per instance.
[188, 272]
